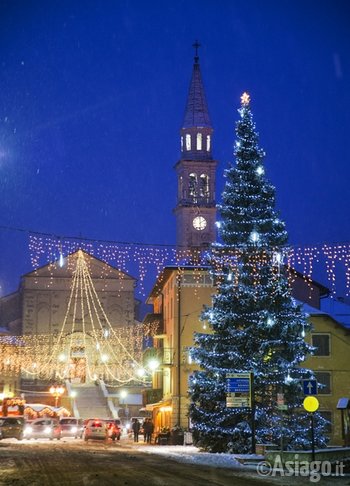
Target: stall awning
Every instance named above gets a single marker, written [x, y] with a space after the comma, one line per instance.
[162, 403]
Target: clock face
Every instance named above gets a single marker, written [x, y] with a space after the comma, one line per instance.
[199, 223]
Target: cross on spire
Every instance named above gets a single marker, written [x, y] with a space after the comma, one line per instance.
[196, 45]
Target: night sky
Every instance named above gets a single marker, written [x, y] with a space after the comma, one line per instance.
[92, 98]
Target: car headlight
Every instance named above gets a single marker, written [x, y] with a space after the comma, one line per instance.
[74, 429]
[47, 430]
[28, 430]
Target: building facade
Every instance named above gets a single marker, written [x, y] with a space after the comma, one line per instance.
[72, 317]
[179, 296]
[331, 366]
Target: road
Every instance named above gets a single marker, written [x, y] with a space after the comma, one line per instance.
[72, 462]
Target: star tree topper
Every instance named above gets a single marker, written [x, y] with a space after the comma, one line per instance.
[245, 99]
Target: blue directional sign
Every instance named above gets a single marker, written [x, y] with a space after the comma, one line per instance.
[310, 387]
[238, 390]
[238, 385]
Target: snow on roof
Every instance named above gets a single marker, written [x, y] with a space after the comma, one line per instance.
[339, 309]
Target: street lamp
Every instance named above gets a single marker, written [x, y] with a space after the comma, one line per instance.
[153, 364]
[56, 391]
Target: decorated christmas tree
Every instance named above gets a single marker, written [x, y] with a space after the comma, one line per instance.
[257, 326]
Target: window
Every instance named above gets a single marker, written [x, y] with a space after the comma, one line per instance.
[208, 143]
[204, 185]
[324, 382]
[182, 144]
[181, 188]
[192, 185]
[188, 141]
[199, 141]
[327, 416]
[322, 344]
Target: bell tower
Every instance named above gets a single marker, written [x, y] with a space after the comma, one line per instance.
[195, 210]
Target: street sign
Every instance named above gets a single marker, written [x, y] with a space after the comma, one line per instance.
[280, 399]
[311, 404]
[310, 387]
[238, 390]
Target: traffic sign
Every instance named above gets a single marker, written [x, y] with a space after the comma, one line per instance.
[310, 387]
[238, 390]
[311, 404]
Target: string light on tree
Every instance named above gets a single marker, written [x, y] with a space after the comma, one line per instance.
[256, 323]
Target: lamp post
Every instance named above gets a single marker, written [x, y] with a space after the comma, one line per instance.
[73, 395]
[311, 405]
[56, 391]
[123, 395]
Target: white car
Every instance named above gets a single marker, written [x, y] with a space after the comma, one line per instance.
[42, 428]
[71, 427]
[96, 429]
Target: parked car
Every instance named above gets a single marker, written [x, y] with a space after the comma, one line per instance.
[11, 427]
[71, 427]
[95, 429]
[114, 430]
[44, 428]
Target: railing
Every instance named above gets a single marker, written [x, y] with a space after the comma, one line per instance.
[152, 395]
[155, 319]
[110, 403]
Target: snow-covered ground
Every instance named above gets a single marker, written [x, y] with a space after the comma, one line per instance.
[192, 455]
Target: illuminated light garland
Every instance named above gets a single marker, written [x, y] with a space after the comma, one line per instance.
[332, 260]
[107, 351]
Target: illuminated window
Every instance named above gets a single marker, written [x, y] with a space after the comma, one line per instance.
[204, 185]
[188, 141]
[192, 186]
[199, 141]
[208, 143]
[182, 144]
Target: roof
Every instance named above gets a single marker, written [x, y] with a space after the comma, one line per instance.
[312, 311]
[324, 291]
[64, 271]
[339, 309]
[165, 274]
[196, 112]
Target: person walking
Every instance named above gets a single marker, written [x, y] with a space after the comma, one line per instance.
[149, 427]
[136, 429]
[144, 427]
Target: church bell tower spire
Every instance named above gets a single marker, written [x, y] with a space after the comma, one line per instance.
[196, 209]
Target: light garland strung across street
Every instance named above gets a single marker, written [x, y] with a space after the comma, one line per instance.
[331, 261]
[95, 350]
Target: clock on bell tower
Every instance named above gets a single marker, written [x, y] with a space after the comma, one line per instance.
[195, 210]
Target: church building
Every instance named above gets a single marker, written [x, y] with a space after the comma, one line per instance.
[195, 210]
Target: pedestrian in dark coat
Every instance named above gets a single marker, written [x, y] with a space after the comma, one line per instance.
[144, 426]
[149, 427]
[136, 429]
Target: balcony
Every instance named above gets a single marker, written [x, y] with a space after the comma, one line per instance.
[152, 395]
[157, 323]
[165, 356]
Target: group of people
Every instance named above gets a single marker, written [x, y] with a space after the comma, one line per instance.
[147, 427]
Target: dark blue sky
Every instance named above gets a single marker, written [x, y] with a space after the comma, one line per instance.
[92, 97]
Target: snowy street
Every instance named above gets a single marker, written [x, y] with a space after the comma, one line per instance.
[73, 462]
